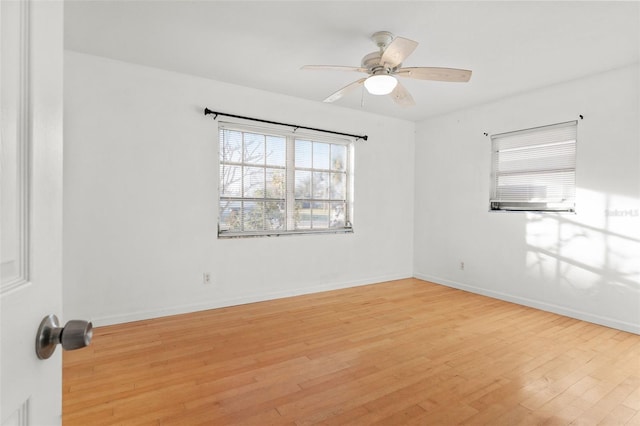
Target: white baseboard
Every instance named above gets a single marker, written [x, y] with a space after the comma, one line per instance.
[544, 306]
[214, 304]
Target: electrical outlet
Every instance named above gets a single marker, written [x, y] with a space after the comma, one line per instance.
[206, 278]
[462, 266]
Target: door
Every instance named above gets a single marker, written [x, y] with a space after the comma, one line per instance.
[31, 58]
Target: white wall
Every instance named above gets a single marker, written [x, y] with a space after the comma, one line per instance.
[585, 265]
[140, 206]
[140, 201]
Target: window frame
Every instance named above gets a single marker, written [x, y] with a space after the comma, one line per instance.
[290, 136]
[531, 203]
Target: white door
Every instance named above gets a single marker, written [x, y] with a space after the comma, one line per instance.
[31, 58]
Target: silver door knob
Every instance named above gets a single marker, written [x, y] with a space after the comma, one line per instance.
[75, 334]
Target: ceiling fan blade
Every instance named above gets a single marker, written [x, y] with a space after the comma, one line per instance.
[346, 89]
[333, 68]
[402, 97]
[397, 51]
[436, 74]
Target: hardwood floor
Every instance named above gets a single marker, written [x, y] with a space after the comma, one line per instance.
[395, 353]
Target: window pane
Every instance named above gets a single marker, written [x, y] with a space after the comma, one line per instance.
[274, 215]
[337, 215]
[230, 181]
[320, 155]
[320, 186]
[302, 215]
[276, 151]
[303, 184]
[303, 154]
[254, 182]
[338, 186]
[338, 157]
[231, 149]
[231, 215]
[276, 184]
[254, 148]
[320, 215]
[253, 216]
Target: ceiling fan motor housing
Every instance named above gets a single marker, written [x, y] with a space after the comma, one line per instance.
[372, 62]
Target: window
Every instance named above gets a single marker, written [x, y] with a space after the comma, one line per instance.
[534, 169]
[275, 182]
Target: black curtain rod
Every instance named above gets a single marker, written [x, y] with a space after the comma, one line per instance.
[207, 111]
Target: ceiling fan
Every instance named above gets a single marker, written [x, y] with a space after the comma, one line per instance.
[384, 65]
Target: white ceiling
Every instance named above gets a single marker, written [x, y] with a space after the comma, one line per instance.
[511, 47]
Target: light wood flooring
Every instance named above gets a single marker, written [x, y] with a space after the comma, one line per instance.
[397, 353]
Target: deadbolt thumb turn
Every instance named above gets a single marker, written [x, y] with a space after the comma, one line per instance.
[75, 334]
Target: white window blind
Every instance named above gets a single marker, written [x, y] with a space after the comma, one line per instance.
[275, 181]
[534, 169]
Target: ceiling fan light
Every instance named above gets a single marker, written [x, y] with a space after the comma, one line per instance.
[381, 84]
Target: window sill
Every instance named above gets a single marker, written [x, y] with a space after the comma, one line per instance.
[228, 235]
[572, 212]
